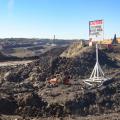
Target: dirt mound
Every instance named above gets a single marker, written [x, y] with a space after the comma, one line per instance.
[114, 53]
[54, 52]
[74, 50]
[105, 99]
[47, 66]
[32, 97]
[82, 65]
[31, 105]
[8, 105]
[77, 67]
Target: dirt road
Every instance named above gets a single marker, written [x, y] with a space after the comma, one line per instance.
[13, 63]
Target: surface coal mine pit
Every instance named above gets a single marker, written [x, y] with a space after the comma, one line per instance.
[52, 87]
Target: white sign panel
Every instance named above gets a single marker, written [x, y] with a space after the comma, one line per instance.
[96, 30]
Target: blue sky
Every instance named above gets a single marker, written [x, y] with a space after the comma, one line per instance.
[65, 18]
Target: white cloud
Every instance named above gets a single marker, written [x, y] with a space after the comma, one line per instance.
[10, 6]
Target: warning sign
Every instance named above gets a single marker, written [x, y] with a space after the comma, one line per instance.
[96, 30]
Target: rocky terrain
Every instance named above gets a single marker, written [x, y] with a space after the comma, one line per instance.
[24, 90]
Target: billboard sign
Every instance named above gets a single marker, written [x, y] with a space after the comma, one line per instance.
[96, 30]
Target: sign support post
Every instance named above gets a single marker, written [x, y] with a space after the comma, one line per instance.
[97, 76]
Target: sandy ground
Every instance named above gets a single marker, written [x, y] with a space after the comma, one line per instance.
[9, 63]
[112, 116]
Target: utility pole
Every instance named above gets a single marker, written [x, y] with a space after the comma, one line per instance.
[51, 57]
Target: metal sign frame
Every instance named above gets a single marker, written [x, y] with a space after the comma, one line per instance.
[97, 76]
